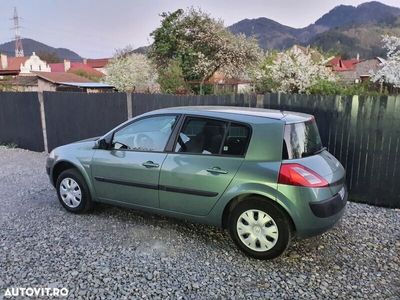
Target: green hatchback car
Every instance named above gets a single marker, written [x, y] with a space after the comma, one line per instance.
[262, 174]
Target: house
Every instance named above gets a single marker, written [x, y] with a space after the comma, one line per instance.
[78, 68]
[222, 84]
[98, 64]
[337, 64]
[56, 81]
[315, 55]
[354, 70]
[367, 66]
[12, 66]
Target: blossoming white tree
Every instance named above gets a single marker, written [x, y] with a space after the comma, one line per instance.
[216, 49]
[294, 71]
[390, 71]
[202, 45]
[131, 72]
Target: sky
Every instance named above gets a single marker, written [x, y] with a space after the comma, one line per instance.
[95, 28]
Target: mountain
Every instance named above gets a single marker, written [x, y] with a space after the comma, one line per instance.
[366, 13]
[349, 41]
[142, 50]
[340, 29]
[270, 34]
[30, 46]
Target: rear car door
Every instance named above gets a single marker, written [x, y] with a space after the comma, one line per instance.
[129, 171]
[206, 157]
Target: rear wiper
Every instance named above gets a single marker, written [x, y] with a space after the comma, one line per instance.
[320, 150]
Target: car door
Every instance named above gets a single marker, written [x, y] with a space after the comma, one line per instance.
[206, 157]
[129, 171]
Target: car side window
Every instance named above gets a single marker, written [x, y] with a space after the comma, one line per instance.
[236, 140]
[201, 136]
[148, 134]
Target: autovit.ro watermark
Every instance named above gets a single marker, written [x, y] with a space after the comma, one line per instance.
[35, 292]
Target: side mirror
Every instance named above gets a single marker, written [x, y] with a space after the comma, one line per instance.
[102, 144]
[105, 142]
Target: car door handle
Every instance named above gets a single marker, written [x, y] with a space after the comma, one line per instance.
[216, 170]
[150, 164]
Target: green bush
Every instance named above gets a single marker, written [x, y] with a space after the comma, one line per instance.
[324, 87]
[171, 79]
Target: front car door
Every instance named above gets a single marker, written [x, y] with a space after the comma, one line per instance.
[206, 157]
[129, 171]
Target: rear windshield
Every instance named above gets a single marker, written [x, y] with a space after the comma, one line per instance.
[301, 140]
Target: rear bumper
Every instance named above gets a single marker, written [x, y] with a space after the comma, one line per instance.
[313, 210]
[329, 207]
[323, 215]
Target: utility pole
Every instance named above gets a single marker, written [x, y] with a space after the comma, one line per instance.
[19, 51]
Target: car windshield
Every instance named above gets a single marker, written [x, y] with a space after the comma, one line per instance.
[301, 140]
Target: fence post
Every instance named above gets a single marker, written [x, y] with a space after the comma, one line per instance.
[259, 100]
[129, 105]
[43, 121]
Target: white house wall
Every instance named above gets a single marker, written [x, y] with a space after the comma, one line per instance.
[34, 64]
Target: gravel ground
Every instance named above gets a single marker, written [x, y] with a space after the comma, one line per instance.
[118, 253]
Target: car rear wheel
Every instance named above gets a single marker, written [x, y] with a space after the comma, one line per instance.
[260, 228]
[73, 192]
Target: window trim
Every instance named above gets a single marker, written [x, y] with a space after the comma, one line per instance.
[228, 121]
[179, 118]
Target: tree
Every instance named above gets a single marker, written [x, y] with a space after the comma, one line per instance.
[202, 45]
[171, 79]
[167, 39]
[293, 71]
[49, 57]
[131, 72]
[390, 71]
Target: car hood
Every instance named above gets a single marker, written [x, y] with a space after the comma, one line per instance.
[74, 148]
[88, 140]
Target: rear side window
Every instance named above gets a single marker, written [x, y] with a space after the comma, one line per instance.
[210, 136]
[236, 140]
[301, 140]
[201, 136]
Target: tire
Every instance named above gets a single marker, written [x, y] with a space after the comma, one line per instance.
[266, 222]
[73, 192]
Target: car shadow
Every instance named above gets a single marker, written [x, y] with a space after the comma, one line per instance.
[214, 238]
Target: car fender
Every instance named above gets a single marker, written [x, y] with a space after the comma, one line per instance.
[80, 158]
[264, 190]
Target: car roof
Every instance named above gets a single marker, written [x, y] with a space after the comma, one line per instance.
[287, 116]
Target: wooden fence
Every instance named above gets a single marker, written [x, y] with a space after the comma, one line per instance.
[362, 132]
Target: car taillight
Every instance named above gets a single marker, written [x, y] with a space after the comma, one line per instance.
[296, 174]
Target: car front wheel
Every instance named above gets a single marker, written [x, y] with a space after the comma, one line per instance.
[260, 228]
[73, 192]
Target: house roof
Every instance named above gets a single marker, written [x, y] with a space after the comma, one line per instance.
[57, 67]
[339, 65]
[88, 84]
[358, 69]
[14, 63]
[77, 66]
[98, 62]
[334, 61]
[74, 67]
[315, 55]
[61, 77]
[24, 81]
